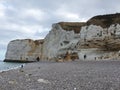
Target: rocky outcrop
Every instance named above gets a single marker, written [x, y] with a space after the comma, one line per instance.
[99, 43]
[58, 42]
[24, 50]
[97, 39]
[94, 40]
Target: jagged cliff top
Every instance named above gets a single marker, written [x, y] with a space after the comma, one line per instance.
[68, 26]
[105, 20]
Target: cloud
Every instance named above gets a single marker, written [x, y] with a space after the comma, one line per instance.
[2, 11]
[36, 14]
[65, 14]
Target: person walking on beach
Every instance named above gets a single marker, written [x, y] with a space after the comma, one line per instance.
[38, 59]
[21, 68]
[85, 56]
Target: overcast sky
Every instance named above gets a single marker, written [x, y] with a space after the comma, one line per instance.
[20, 19]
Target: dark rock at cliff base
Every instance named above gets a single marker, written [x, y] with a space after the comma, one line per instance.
[18, 61]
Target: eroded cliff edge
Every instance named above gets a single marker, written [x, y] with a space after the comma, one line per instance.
[96, 39]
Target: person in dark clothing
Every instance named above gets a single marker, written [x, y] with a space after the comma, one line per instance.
[38, 59]
[21, 68]
[85, 56]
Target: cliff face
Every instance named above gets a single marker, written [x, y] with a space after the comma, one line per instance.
[93, 41]
[24, 50]
[99, 43]
[58, 42]
[97, 39]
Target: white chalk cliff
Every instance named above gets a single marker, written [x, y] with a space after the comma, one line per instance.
[58, 42]
[24, 50]
[97, 39]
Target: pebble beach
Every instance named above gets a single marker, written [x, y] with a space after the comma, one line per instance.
[72, 75]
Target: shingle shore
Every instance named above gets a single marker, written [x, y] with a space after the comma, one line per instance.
[77, 75]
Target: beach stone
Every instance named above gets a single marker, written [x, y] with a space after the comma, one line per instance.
[75, 88]
[40, 80]
[28, 79]
[12, 82]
